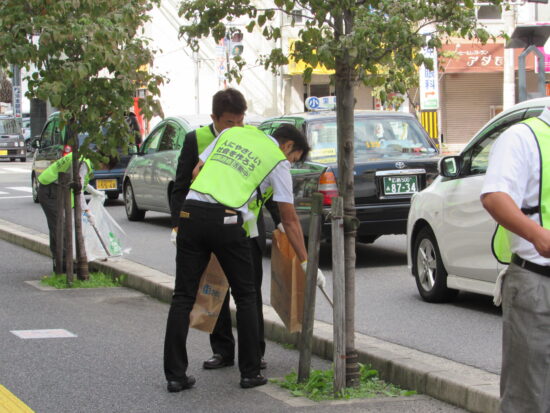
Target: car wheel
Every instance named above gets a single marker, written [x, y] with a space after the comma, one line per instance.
[132, 211]
[12, 159]
[23, 159]
[34, 185]
[428, 269]
[112, 195]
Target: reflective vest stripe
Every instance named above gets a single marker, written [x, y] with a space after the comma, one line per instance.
[501, 241]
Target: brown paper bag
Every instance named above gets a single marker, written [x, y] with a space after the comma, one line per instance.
[287, 282]
[210, 295]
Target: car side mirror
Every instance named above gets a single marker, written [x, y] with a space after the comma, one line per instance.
[35, 143]
[450, 166]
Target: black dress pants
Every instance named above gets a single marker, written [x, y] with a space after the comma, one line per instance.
[205, 229]
[221, 339]
[47, 196]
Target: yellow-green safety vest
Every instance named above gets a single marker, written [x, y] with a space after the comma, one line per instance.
[204, 138]
[51, 173]
[501, 242]
[241, 159]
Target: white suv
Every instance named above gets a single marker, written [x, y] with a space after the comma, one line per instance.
[448, 230]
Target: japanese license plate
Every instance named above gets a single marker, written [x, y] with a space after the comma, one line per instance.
[3, 152]
[397, 185]
[105, 183]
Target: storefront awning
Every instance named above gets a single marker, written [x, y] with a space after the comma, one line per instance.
[469, 57]
[298, 67]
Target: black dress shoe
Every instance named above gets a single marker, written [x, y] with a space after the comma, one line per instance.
[249, 382]
[176, 386]
[217, 362]
[263, 364]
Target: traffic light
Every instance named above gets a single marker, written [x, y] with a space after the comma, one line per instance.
[236, 45]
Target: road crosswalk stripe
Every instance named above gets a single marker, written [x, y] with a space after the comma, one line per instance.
[14, 171]
[19, 170]
[21, 188]
[3, 193]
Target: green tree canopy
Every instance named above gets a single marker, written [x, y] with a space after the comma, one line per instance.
[379, 40]
[84, 56]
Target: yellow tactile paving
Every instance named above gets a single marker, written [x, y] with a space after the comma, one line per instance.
[11, 404]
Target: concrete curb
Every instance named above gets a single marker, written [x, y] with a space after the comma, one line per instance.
[464, 386]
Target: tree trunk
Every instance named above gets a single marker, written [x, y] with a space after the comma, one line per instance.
[345, 103]
[81, 259]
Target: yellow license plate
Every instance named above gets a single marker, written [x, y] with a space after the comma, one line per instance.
[3, 152]
[105, 183]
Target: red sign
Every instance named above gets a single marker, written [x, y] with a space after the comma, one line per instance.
[461, 57]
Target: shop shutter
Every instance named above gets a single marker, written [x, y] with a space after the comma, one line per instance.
[467, 102]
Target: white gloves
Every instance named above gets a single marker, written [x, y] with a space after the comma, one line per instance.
[174, 236]
[321, 281]
[88, 215]
[282, 229]
[95, 193]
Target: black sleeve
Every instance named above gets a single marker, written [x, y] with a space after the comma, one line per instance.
[273, 209]
[189, 157]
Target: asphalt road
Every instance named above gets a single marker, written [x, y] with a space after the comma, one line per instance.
[113, 361]
[387, 303]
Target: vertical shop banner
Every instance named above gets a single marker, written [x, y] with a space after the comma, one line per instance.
[429, 88]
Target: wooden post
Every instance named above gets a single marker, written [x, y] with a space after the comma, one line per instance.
[311, 286]
[338, 285]
[60, 225]
[68, 229]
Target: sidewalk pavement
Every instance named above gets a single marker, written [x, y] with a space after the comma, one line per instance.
[470, 388]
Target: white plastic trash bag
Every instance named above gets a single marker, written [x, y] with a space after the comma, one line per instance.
[107, 239]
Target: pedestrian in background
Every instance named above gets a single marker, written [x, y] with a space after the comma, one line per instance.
[516, 193]
[211, 221]
[48, 190]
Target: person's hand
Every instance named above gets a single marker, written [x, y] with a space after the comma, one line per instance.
[321, 280]
[281, 228]
[89, 216]
[174, 236]
[541, 241]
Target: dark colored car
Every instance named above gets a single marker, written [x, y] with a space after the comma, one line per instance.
[52, 145]
[394, 158]
[12, 143]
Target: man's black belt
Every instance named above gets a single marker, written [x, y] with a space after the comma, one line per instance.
[530, 210]
[531, 266]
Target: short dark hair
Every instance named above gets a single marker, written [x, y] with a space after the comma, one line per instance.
[287, 132]
[228, 100]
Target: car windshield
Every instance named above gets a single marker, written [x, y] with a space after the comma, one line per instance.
[375, 138]
[10, 126]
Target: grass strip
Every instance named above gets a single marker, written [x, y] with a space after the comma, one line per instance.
[319, 387]
[96, 280]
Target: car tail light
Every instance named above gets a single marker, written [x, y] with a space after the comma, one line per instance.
[67, 150]
[328, 187]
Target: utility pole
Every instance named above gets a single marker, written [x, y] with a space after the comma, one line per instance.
[509, 73]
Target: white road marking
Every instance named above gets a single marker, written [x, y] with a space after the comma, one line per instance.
[20, 170]
[15, 197]
[50, 333]
[14, 170]
[3, 193]
[21, 188]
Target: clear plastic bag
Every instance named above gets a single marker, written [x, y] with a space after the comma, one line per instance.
[107, 239]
